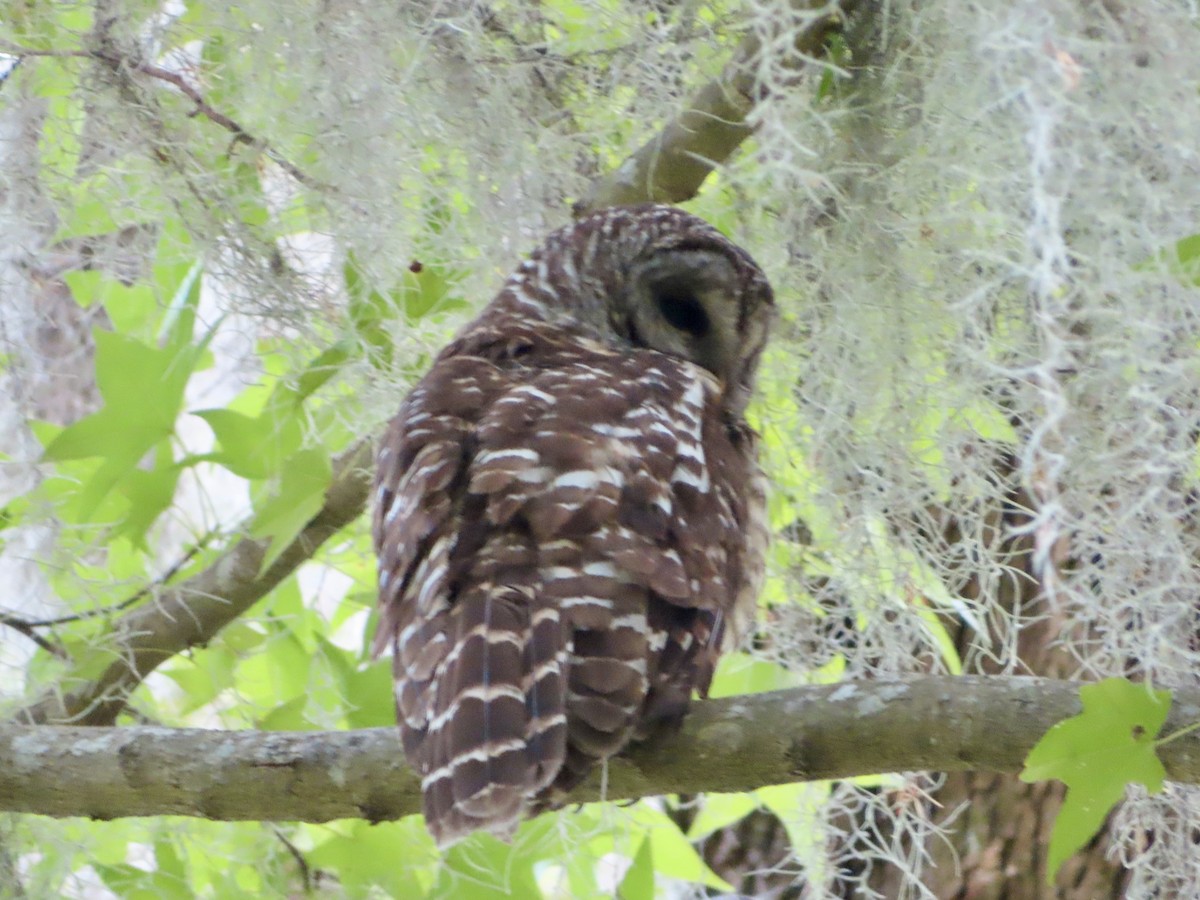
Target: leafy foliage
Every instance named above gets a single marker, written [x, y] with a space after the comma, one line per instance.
[201, 179]
[238, 231]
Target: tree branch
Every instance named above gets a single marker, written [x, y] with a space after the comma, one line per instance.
[674, 163]
[733, 744]
[202, 108]
[192, 612]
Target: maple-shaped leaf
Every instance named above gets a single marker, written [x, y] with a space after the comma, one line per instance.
[1096, 754]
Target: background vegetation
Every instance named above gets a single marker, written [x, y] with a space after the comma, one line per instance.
[232, 234]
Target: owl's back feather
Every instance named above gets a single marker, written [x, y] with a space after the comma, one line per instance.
[565, 531]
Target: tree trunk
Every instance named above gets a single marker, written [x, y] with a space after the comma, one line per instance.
[995, 829]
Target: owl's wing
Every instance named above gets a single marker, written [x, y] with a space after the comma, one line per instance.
[558, 548]
[477, 665]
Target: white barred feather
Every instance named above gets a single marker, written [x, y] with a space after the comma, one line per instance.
[568, 510]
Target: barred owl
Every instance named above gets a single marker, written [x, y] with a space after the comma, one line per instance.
[569, 513]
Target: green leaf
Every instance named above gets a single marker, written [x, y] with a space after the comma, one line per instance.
[287, 716]
[839, 53]
[798, 807]
[92, 213]
[14, 512]
[60, 143]
[740, 673]
[251, 203]
[142, 387]
[1184, 263]
[369, 312]
[46, 26]
[179, 324]
[169, 863]
[674, 856]
[254, 447]
[130, 308]
[323, 368]
[301, 493]
[1096, 754]
[128, 881]
[202, 675]
[638, 883]
[1181, 261]
[369, 697]
[241, 636]
[278, 672]
[139, 408]
[366, 689]
[260, 447]
[397, 858]
[422, 290]
[990, 423]
[149, 494]
[719, 811]
[484, 868]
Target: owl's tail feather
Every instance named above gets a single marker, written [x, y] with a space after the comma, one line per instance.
[607, 680]
[498, 733]
[545, 695]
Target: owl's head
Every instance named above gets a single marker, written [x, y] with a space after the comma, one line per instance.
[656, 277]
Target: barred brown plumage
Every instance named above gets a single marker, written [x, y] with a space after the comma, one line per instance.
[569, 516]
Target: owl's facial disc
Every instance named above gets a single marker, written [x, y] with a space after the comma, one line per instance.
[686, 302]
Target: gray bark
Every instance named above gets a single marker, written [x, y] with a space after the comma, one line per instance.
[965, 724]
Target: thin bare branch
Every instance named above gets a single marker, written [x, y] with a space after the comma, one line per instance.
[202, 107]
[20, 626]
[24, 625]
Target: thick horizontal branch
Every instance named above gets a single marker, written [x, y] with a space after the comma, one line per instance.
[192, 612]
[733, 744]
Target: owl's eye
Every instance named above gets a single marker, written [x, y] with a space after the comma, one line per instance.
[681, 309]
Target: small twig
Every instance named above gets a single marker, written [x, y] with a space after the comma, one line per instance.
[1176, 735]
[240, 134]
[305, 872]
[26, 629]
[15, 50]
[203, 108]
[21, 625]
